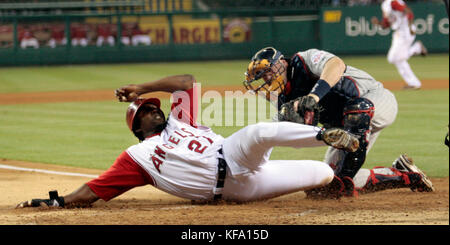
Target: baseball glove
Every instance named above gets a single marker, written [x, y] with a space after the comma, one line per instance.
[307, 111]
[339, 138]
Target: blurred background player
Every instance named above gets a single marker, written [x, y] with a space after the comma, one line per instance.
[79, 35]
[57, 36]
[139, 37]
[105, 34]
[126, 34]
[399, 17]
[27, 39]
[350, 99]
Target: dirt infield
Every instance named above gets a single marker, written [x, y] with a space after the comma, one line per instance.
[149, 206]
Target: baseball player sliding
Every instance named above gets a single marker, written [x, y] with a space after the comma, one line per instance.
[399, 17]
[190, 161]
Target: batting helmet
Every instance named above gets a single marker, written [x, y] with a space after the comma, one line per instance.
[134, 107]
[263, 62]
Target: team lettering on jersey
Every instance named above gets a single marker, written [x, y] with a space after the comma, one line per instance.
[159, 154]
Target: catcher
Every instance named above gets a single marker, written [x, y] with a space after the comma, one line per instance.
[315, 86]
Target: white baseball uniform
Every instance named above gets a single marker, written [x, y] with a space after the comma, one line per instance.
[183, 160]
[403, 45]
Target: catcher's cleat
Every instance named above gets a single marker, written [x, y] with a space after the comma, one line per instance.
[404, 163]
[339, 138]
[334, 190]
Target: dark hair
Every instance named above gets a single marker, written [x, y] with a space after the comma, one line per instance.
[138, 133]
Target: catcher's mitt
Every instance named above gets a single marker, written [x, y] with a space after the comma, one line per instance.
[339, 138]
[307, 111]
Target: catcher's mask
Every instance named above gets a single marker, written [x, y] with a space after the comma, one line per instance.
[133, 109]
[264, 73]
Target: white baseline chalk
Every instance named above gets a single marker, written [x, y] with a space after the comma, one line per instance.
[46, 171]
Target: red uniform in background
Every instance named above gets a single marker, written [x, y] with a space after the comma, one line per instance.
[27, 39]
[79, 35]
[57, 37]
[105, 34]
[139, 37]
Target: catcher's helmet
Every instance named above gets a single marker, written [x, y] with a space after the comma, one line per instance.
[262, 63]
[134, 107]
[358, 106]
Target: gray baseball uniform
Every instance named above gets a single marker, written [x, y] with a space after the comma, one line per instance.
[367, 87]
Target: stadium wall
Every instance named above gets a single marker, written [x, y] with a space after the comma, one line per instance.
[340, 30]
[348, 30]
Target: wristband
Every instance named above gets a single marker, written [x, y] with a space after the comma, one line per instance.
[321, 88]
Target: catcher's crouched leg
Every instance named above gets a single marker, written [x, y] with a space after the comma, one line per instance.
[403, 174]
[357, 117]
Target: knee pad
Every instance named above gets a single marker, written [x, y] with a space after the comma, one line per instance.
[357, 116]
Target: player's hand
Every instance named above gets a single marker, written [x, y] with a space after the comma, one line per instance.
[28, 204]
[412, 29]
[127, 93]
[374, 20]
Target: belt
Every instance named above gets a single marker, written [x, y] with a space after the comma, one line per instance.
[222, 173]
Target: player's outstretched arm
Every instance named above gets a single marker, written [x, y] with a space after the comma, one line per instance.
[82, 197]
[331, 74]
[169, 84]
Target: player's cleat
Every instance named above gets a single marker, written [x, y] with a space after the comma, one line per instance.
[349, 187]
[339, 138]
[404, 163]
[409, 87]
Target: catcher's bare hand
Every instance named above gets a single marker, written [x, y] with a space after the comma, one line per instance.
[128, 93]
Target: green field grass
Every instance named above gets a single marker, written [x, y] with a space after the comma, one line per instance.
[211, 73]
[93, 134]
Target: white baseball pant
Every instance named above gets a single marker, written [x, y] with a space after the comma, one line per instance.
[402, 48]
[138, 39]
[255, 177]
